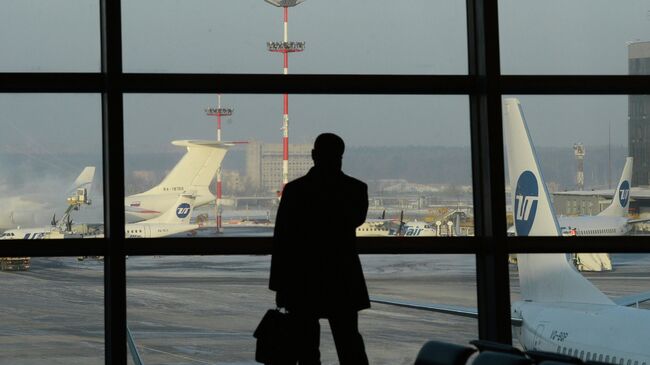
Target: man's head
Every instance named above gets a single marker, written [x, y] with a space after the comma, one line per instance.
[328, 151]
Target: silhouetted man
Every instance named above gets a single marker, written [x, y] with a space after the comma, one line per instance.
[315, 268]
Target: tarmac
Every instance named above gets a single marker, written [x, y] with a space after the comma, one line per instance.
[204, 309]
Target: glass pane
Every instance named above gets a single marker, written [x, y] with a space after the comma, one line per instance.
[570, 37]
[551, 286]
[593, 157]
[412, 151]
[205, 309]
[50, 36]
[52, 311]
[378, 37]
[51, 153]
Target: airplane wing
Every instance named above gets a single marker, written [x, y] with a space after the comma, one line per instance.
[634, 299]
[640, 220]
[440, 308]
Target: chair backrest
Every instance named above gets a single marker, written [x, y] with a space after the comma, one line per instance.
[500, 358]
[443, 353]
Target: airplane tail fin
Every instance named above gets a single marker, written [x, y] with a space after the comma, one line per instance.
[84, 180]
[180, 212]
[543, 277]
[195, 170]
[621, 198]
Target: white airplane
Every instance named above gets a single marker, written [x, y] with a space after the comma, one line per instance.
[613, 220]
[560, 310]
[174, 221]
[381, 227]
[193, 172]
[77, 196]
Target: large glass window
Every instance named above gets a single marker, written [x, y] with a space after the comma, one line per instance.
[341, 37]
[592, 159]
[205, 309]
[578, 37]
[412, 151]
[49, 36]
[53, 309]
[51, 155]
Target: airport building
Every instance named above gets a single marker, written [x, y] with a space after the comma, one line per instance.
[264, 164]
[638, 109]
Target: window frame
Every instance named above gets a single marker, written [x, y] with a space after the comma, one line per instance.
[484, 85]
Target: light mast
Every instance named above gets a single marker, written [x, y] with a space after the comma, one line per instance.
[285, 47]
[218, 112]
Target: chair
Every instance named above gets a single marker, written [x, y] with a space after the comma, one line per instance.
[442, 353]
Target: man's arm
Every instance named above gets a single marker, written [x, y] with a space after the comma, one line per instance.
[357, 215]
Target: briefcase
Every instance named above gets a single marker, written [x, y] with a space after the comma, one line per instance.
[276, 339]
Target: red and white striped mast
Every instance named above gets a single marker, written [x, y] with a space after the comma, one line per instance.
[285, 47]
[218, 112]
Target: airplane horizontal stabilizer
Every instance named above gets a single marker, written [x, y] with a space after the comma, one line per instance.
[440, 308]
[632, 300]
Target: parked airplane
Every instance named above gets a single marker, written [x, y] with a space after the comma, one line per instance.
[613, 220]
[193, 172]
[77, 196]
[174, 221]
[382, 227]
[560, 311]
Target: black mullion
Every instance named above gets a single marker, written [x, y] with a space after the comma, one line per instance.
[45, 248]
[575, 84]
[612, 244]
[492, 278]
[299, 84]
[113, 167]
[262, 246]
[11, 82]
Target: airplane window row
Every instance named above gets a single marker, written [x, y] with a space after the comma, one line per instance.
[8, 234]
[596, 357]
[598, 231]
[133, 231]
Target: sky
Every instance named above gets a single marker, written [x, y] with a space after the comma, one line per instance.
[363, 36]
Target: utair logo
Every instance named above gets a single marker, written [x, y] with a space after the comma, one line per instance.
[624, 193]
[183, 210]
[526, 199]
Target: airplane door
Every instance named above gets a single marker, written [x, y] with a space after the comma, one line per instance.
[539, 331]
[147, 231]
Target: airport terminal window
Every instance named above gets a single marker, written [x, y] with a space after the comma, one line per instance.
[418, 172]
[333, 37]
[411, 74]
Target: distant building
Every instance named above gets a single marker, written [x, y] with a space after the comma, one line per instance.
[638, 109]
[264, 164]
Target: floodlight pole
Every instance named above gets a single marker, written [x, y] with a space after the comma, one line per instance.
[285, 47]
[219, 112]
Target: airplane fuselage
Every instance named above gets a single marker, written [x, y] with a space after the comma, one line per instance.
[141, 207]
[154, 230]
[593, 226]
[605, 333]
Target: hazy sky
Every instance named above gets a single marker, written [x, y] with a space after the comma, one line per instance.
[364, 36]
